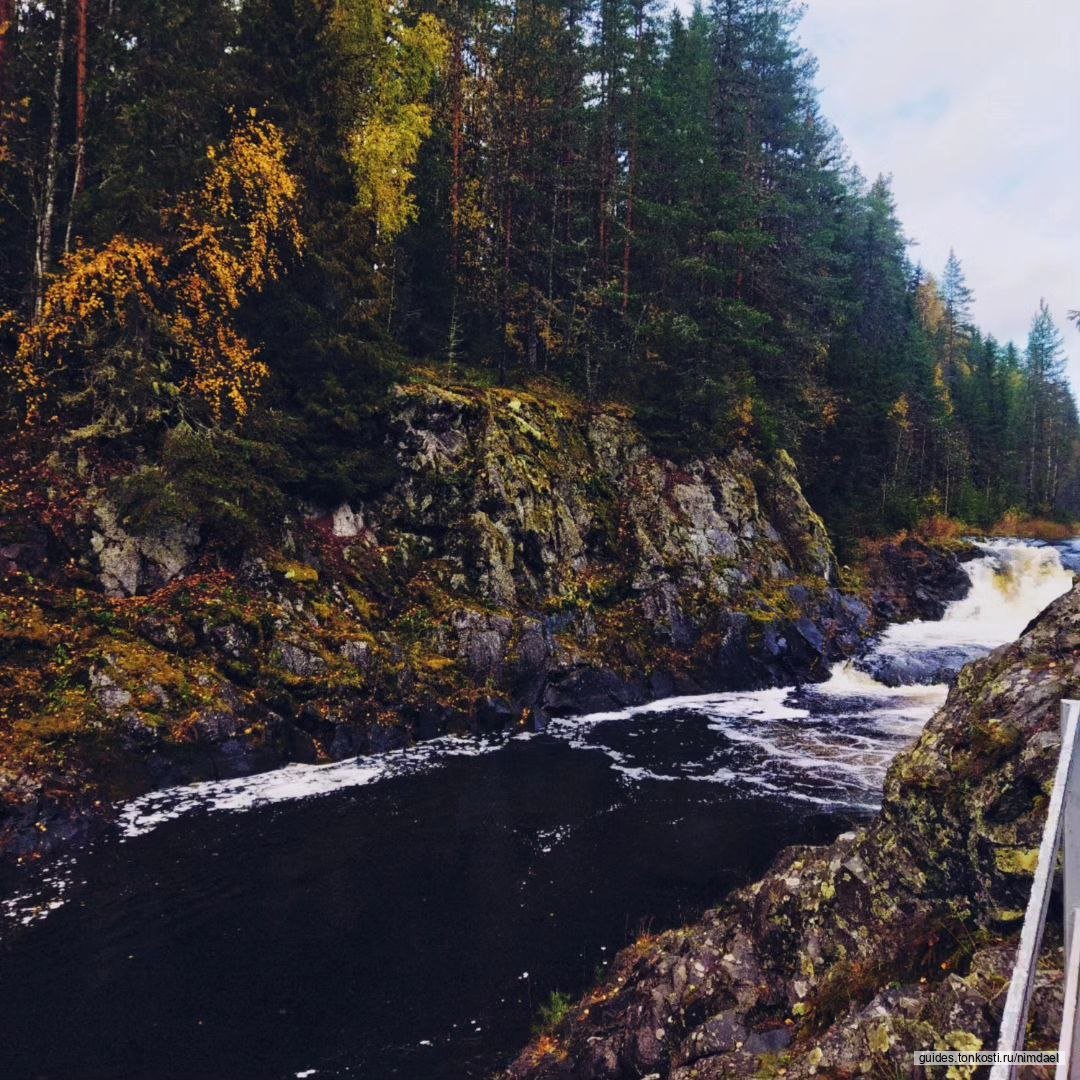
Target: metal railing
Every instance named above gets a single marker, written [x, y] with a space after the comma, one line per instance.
[1062, 831]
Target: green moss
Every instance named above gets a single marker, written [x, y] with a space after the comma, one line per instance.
[879, 1039]
[1016, 860]
[436, 664]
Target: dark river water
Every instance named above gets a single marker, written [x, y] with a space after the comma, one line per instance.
[406, 916]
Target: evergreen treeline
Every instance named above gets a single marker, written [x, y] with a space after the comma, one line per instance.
[639, 204]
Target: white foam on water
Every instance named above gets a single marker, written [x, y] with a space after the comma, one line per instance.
[846, 680]
[293, 782]
[1010, 585]
[827, 743]
[831, 743]
[639, 772]
[771, 703]
[47, 893]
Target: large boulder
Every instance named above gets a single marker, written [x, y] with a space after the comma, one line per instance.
[130, 564]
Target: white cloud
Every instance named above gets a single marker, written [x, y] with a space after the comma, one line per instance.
[973, 106]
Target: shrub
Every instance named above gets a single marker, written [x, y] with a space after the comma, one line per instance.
[553, 1013]
[1016, 523]
[213, 478]
[940, 527]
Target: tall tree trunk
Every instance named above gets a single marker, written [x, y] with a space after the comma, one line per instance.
[602, 189]
[1032, 451]
[80, 116]
[508, 240]
[7, 36]
[748, 181]
[922, 462]
[549, 300]
[1047, 480]
[631, 171]
[607, 139]
[457, 78]
[47, 203]
[7, 33]
[629, 224]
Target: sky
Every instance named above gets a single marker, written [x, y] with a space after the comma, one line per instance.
[973, 107]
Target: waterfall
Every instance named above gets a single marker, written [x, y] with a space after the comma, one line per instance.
[1010, 584]
[827, 743]
[830, 743]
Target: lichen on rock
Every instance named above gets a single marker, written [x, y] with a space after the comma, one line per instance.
[533, 556]
[895, 938]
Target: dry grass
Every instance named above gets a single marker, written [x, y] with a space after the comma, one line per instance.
[1032, 528]
[936, 531]
[940, 527]
[547, 1047]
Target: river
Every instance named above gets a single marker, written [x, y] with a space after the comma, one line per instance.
[406, 915]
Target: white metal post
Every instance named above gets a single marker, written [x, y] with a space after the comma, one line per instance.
[1068, 1067]
[1018, 999]
[1070, 859]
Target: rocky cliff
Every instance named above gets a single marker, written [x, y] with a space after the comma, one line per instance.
[844, 959]
[532, 556]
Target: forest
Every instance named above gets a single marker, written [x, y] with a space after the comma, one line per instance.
[229, 227]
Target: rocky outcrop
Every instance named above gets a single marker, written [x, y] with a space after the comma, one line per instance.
[129, 564]
[911, 578]
[533, 557]
[844, 959]
[604, 571]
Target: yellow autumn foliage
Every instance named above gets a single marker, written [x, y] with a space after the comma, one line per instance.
[234, 225]
[941, 389]
[233, 230]
[108, 287]
[929, 304]
[230, 235]
[394, 117]
[382, 153]
[900, 413]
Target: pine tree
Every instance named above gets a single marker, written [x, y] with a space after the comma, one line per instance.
[1050, 419]
[955, 293]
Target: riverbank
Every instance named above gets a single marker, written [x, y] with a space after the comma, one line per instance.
[844, 959]
[531, 558]
[515, 866]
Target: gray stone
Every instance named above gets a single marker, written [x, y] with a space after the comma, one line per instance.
[358, 653]
[129, 565]
[299, 661]
[113, 699]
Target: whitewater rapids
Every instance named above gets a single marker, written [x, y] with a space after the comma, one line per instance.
[827, 743]
[509, 866]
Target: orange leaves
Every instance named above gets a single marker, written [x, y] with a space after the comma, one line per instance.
[233, 232]
[900, 413]
[548, 1047]
[941, 390]
[104, 286]
[742, 414]
[235, 226]
[230, 238]
[244, 213]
